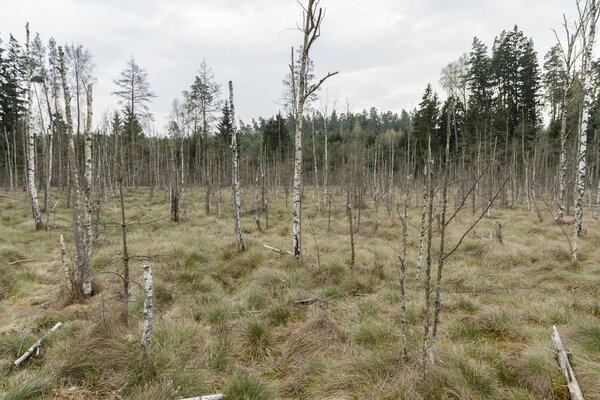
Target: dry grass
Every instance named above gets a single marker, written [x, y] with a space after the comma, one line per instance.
[229, 322]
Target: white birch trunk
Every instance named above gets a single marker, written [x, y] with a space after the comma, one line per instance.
[581, 157]
[86, 273]
[77, 234]
[35, 207]
[235, 187]
[65, 266]
[148, 311]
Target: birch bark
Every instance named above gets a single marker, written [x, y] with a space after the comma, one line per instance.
[35, 207]
[581, 157]
[235, 187]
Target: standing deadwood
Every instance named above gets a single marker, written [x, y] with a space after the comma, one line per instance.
[565, 366]
[375, 190]
[498, 232]
[316, 168]
[349, 212]
[437, 302]
[569, 58]
[235, 187]
[423, 216]
[174, 194]
[35, 346]
[74, 176]
[388, 204]
[312, 30]
[125, 252]
[587, 98]
[35, 207]
[428, 254]
[148, 311]
[65, 266]
[403, 273]
[86, 272]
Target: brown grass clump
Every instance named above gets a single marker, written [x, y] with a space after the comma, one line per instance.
[318, 336]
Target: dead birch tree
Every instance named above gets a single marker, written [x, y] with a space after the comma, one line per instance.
[148, 310]
[588, 15]
[35, 207]
[88, 208]
[437, 301]
[235, 186]
[569, 54]
[311, 29]
[80, 252]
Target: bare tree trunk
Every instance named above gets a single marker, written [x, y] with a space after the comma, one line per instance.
[65, 266]
[581, 169]
[403, 273]
[388, 204]
[428, 256]
[35, 207]
[311, 31]
[125, 252]
[86, 273]
[316, 169]
[441, 256]
[423, 216]
[235, 188]
[80, 252]
[148, 310]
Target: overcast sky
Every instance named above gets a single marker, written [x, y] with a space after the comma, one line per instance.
[386, 51]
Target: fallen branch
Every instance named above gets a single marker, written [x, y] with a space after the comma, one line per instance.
[35, 346]
[207, 397]
[278, 250]
[21, 261]
[565, 366]
[310, 300]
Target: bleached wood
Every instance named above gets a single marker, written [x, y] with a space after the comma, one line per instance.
[35, 346]
[565, 366]
[206, 397]
[278, 250]
[587, 100]
[65, 266]
[35, 207]
[148, 311]
[235, 187]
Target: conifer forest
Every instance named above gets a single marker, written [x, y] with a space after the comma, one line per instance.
[444, 249]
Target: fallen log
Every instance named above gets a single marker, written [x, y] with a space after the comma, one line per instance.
[21, 261]
[278, 250]
[35, 346]
[207, 397]
[565, 366]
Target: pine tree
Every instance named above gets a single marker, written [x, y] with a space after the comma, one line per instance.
[553, 80]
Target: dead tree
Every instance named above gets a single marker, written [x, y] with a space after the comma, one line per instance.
[311, 29]
[80, 251]
[437, 301]
[148, 310]
[589, 15]
[403, 273]
[35, 207]
[235, 187]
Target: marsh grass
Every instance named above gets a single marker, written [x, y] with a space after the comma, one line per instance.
[228, 322]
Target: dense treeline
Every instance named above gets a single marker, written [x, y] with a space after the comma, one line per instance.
[499, 98]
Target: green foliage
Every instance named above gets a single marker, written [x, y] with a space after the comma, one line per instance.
[258, 336]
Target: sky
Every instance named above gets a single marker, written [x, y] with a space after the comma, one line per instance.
[386, 51]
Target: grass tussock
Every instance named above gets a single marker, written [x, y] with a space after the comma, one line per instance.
[230, 322]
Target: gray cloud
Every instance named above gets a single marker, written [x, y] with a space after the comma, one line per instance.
[386, 50]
